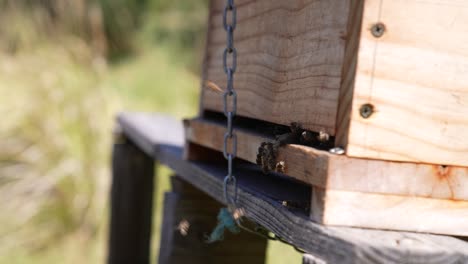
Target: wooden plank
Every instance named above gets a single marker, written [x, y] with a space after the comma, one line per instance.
[131, 205]
[261, 196]
[290, 56]
[172, 135]
[168, 228]
[360, 246]
[391, 212]
[339, 172]
[416, 78]
[189, 216]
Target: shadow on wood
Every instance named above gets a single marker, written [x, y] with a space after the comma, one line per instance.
[131, 205]
[261, 196]
[190, 215]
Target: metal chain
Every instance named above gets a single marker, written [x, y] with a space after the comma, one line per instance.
[230, 95]
[230, 98]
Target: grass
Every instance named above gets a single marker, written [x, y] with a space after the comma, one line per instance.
[58, 104]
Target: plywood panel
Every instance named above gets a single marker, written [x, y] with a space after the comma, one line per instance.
[391, 212]
[416, 77]
[290, 56]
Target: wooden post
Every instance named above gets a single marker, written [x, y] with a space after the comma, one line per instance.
[131, 204]
[189, 215]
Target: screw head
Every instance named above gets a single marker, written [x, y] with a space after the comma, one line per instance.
[337, 151]
[366, 110]
[378, 30]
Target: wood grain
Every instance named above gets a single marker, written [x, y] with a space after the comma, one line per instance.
[316, 63]
[261, 197]
[320, 168]
[290, 57]
[416, 76]
[391, 212]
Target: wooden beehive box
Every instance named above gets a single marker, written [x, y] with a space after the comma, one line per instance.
[386, 79]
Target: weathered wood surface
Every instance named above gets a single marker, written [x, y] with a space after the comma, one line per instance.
[261, 197]
[131, 205]
[189, 216]
[416, 76]
[171, 135]
[390, 212]
[290, 60]
[339, 172]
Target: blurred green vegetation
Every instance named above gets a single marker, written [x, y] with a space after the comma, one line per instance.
[66, 68]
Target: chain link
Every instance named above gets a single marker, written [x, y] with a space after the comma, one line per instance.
[230, 108]
[230, 101]
[233, 53]
[230, 8]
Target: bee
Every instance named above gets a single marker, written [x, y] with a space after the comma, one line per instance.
[268, 151]
[183, 227]
[266, 156]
